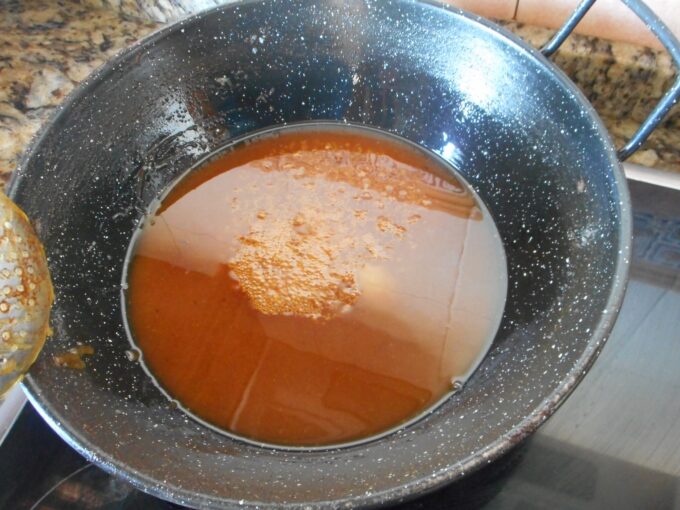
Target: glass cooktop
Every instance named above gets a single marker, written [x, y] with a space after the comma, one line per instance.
[615, 443]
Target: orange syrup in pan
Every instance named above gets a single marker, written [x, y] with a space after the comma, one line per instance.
[315, 286]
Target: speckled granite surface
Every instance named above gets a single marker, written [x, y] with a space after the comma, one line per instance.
[47, 47]
[624, 82]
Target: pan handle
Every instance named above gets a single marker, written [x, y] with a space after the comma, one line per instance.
[667, 39]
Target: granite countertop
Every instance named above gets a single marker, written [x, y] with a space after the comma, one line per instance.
[47, 47]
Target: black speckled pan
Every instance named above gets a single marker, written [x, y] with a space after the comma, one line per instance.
[500, 112]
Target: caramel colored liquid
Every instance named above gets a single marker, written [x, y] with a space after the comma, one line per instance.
[315, 286]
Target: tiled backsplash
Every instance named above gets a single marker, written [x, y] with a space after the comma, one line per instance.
[608, 19]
